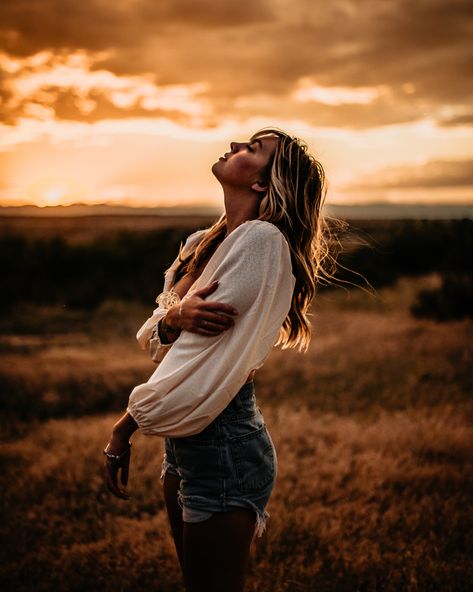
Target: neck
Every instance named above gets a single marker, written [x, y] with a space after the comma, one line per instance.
[240, 206]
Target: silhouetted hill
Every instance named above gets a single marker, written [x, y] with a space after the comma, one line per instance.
[373, 211]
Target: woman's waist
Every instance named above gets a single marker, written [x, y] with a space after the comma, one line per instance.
[241, 408]
[242, 404]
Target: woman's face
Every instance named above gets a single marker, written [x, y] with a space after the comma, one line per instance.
[244, 165]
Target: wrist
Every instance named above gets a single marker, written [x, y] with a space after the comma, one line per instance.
[171, 320]
[117, 445]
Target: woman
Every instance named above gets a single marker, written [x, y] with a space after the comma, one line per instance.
[235, 290]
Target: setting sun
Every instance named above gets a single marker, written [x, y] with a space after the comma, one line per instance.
[53, 191]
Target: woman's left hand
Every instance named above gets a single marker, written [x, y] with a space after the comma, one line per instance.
[122, 450]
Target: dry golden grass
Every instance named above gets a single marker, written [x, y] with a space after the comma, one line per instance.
[82, 229]
[373, 433]
[358, 505]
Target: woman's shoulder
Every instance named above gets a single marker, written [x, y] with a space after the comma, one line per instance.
[258, 229]
[252, 228]
[253, 236]
[262, 239]
[276, 243]
[256, 233]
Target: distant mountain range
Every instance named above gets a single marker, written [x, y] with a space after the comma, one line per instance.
[361, 211]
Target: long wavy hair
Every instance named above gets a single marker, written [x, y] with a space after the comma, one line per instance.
[296, 193]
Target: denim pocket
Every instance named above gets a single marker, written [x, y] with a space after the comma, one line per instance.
[254, 459]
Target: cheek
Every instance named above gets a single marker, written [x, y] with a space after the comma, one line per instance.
[243, 168]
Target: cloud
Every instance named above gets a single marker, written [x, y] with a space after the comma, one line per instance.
[432, 174]
[28, 26]
[66, 87]
[353, 64]
[460, 119]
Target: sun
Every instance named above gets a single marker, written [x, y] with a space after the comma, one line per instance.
[54, 195]
[55, 191]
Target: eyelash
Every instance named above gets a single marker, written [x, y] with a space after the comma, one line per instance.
[249, 148]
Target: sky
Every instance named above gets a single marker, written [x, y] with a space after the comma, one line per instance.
[131, 101]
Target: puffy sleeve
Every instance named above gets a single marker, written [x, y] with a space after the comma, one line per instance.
[201, 374]
[147, 335]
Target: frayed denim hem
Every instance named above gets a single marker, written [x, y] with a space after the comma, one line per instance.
[201, 503]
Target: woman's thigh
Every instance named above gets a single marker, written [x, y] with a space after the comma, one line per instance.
[216, 551]
[171, 485]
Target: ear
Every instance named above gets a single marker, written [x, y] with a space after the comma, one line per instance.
[259, 187]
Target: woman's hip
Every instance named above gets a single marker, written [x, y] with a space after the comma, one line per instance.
[235, 452]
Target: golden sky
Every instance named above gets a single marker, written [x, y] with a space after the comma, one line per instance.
[132, 101]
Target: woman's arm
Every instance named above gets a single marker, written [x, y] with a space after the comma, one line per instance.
[118, 456]
[161, 330]
[123, 430]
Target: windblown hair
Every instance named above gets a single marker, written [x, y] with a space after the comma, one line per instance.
[296, 192]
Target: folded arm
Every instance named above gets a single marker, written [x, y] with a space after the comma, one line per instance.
[201, 374]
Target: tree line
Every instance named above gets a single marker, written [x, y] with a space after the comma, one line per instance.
[129, 265]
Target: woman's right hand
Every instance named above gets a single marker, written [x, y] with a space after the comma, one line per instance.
[201, 316]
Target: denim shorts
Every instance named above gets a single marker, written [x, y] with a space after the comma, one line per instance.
[231, 464]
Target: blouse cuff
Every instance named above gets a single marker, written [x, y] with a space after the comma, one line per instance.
[140, 418]
[156, 348]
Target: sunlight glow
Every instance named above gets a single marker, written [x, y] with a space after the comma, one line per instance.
[53, 191]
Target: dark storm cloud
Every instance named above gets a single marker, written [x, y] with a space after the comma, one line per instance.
[252, 54]
[433, 174]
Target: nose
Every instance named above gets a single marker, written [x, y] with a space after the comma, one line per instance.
[235, 146]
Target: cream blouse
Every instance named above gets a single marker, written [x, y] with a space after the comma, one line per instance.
[199, 375]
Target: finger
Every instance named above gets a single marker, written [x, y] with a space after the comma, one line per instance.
[215, 306]
[206, 290]
[219, 321]
[216, 327]
[111, 481]
[124, 474]
[201, 331]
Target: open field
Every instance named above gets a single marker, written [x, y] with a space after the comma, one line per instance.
[83, 229]
[372, 428]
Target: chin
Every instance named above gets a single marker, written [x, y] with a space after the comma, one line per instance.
[214, 169]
